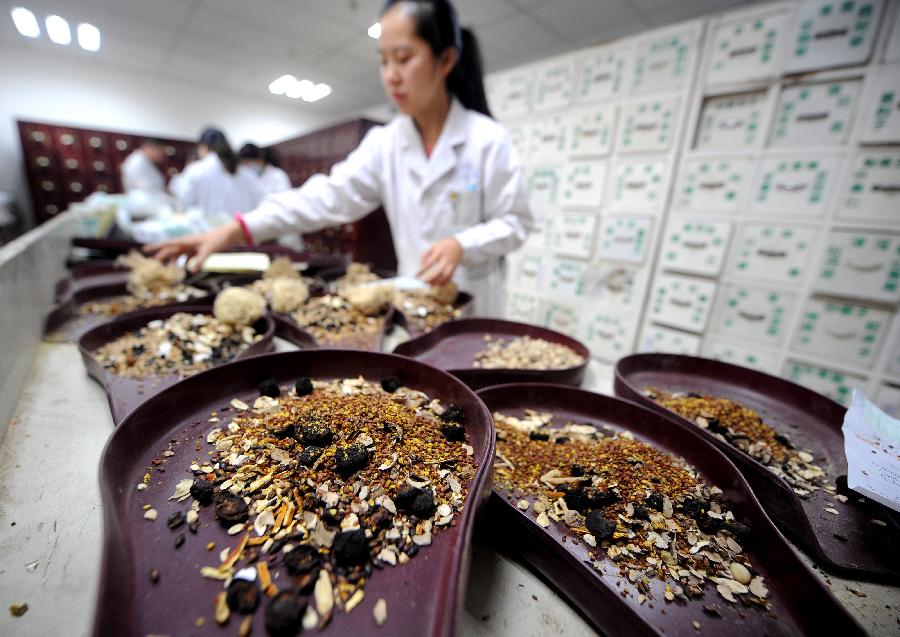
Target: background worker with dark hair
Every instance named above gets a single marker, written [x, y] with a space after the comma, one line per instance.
[214, 183]
[446, 173]
[262, 162]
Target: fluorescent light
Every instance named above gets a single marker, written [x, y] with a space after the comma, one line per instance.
[375, 31]
[58, 30]
[88, 37]
[25, 22]
[282, 84]
[317, 92]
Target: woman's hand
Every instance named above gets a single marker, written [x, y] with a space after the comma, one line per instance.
[439, 261]
[199, 246]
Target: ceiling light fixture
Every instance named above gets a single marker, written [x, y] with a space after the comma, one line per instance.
[25, 22]
[375, 31]
[306, 90]
[58, 30]
[88, 37]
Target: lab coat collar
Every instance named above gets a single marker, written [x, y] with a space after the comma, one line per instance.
[443, 157]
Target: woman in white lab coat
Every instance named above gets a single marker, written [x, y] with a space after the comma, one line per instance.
[446, 173]
[215, 183]
[272, 178]
[140, 170]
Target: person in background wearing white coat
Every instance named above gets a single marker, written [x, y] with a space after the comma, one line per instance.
[215, 183]
[446, 173]
[140, 170]
[272, 178]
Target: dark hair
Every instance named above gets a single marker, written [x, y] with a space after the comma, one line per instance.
[152, 141]
[437, 24]
[251, 151]
[215, 140]
[271, 157]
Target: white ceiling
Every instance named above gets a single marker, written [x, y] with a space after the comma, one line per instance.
[242, 45]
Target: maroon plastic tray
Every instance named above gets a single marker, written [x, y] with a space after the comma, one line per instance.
[65, 324]
[424, 597]
[89, 274]
[801, 603]
[812, 422]
[124, 394]
[453, 345]
[464, 302]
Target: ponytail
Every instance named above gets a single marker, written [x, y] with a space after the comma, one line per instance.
[215, 140]
[437, 24]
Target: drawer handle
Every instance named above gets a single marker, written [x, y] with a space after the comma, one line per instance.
[711, 185]
[606, 336]
[772, 254]
[645, 126]
[755, 318]
[680, 302]
[548, 138]
[831, 33]
[888, 188]
[590, 132]
[865, 267]
[841, 336]
[540, 187]
[572, 235]
[660, 64]
[616, 280]
[583, 185]
[566, 279]
[747, 50]
[602, 77]
[635, 185]
[812, 117]
[624, 238]
[695, 245]
[790, 187]
[731, 122]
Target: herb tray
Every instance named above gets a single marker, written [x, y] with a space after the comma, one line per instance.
[424, 597]
[600, 594]
[848, 543]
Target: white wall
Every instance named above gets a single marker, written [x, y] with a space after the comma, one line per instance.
[35, 85]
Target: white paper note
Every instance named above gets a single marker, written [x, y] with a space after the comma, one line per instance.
[872, 445]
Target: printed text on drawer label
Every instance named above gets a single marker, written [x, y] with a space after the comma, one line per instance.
[713, 184]
[739, 354]
[582, 184]
[590, 131]
[529, 271]
[843, 332]
[695, 246]
[624, 238]
[748, 49]
[563, 318]
[775, 253]
[759, 314]
[833, 383]
[682, 302]
[815, 114]
[567, 278]
[881, 114]
[648, 125]
[554, 85]
[523, 307]
[548, 137]
[601, 74]
[795, 185]
[544, 185]
[663, 339]
[832, 33]
[872, 190]
[662, 63]
[608, 336]
[573, 234]
[861, 265]
[639, 186]
[510, 94]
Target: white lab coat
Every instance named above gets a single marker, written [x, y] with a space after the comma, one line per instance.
[205, 184]
[139, 173]
[273, 179]
[471, 188]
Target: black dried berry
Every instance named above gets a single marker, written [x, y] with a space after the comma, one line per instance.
[303, 386]
[417, 501]
[741, 532]
[309, 455]
[315, 434]
[453, 414]
[242, 596]
[350, 548]
[454, 432]
[202, 491]
[284, 431]
[695, 508]
[179, 540]
[193, 527]
[137, 350]
[841, 485]
[379, 518]
[577, 471]
[175, 520]
[576, 501]
[230, 509]
[284, 614]
[561, 440]
[784, 440]
[640, 513]
[693, 394]
[599, 526]
[270, 388]
[350, 459]
[709, 524]
[599, 498]
[654, 501]
[543, 436]
[390, 384]
[303, 558]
